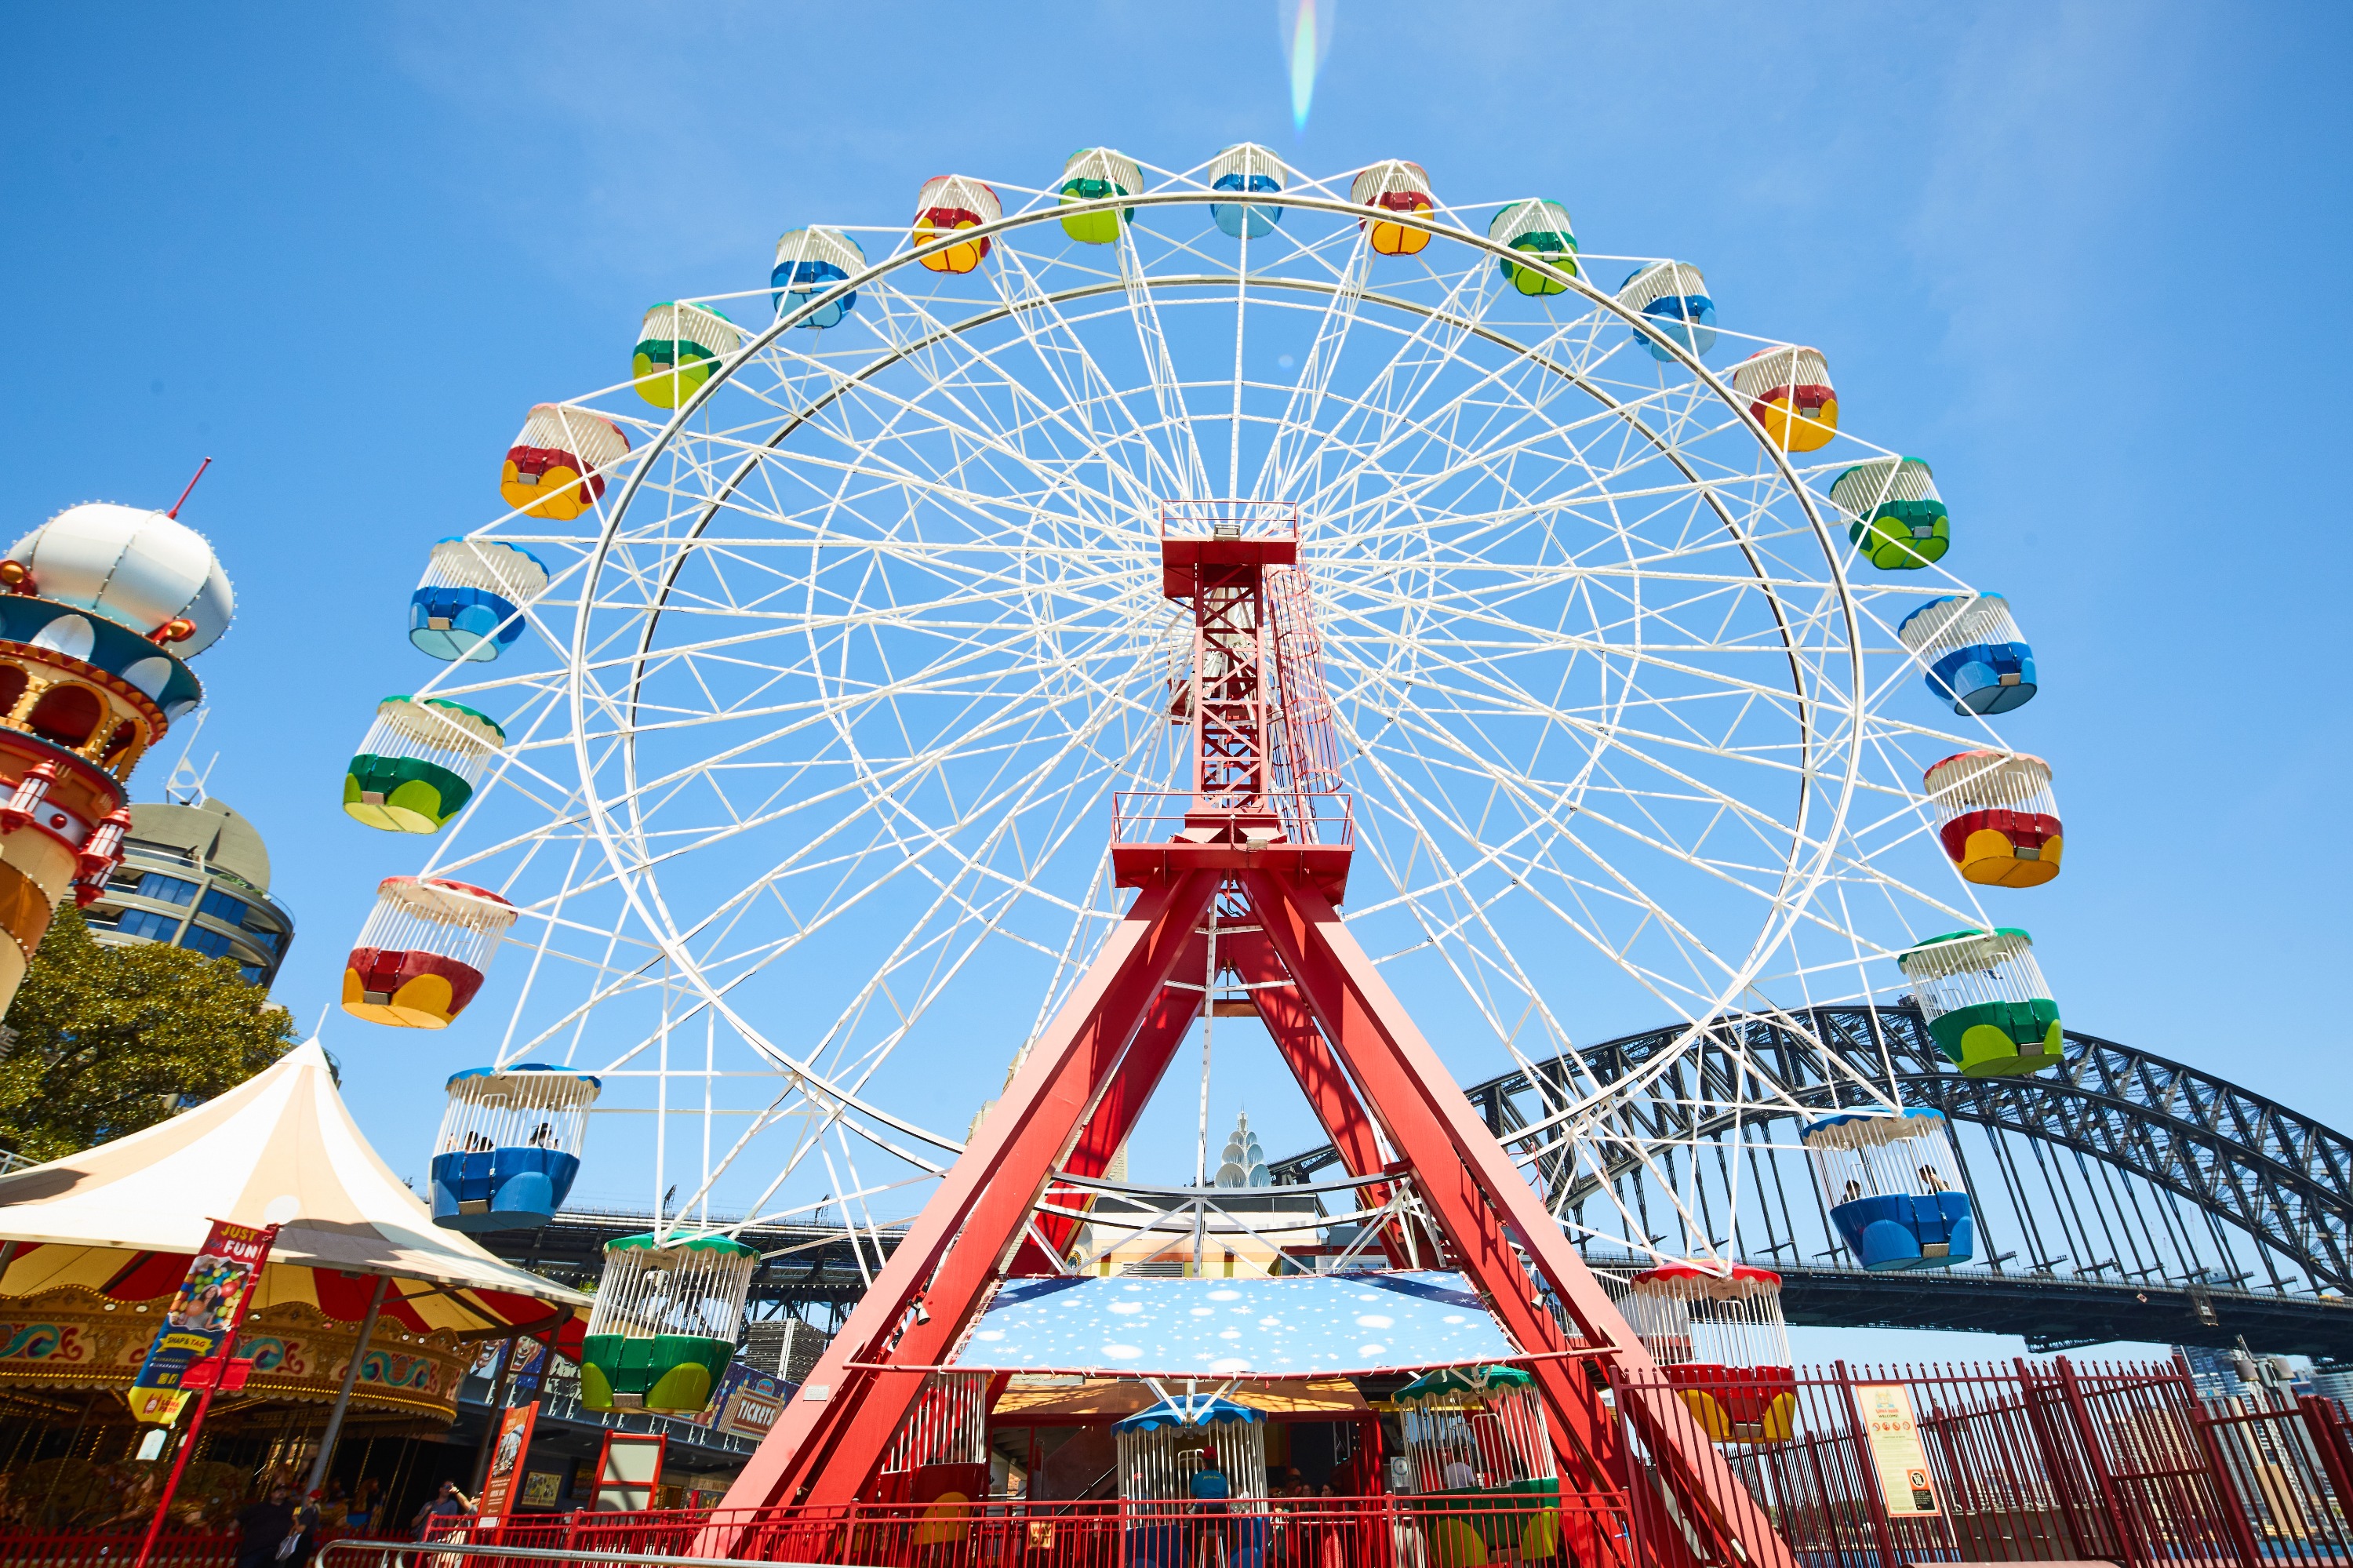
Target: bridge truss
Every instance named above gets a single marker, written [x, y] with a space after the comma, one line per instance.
[2121, 1196]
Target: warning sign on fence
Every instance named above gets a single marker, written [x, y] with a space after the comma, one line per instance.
[1896, 1452]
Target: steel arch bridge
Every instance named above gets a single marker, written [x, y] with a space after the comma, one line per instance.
[2120, 1196]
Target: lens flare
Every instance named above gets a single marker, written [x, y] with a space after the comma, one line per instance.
[1306, 40]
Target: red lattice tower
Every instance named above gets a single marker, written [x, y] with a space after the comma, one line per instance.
[1260, 835]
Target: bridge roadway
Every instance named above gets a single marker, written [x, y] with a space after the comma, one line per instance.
[2127, 1133]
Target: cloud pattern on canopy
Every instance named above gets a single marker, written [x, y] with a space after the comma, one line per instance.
[1307, 1326]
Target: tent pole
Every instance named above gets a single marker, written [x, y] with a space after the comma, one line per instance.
[344, 1395]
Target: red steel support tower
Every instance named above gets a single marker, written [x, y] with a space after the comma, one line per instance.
[1262, 838]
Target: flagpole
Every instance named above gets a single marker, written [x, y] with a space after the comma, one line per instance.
[205, 1399]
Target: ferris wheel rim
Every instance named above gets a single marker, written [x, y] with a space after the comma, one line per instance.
[1790, 902]
[635, 873]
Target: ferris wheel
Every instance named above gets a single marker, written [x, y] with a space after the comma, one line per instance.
[770, 737]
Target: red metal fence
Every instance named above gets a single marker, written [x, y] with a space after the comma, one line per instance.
[1858, 1469]
[2044, 1461]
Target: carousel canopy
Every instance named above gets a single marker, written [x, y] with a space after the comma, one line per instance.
[1302, 1326]
[125, 1218]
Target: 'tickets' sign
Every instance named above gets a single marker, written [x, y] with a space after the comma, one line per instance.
[1895, 1453]
[200, 1318]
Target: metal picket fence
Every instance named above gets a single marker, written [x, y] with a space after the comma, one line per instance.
[1858, 1467]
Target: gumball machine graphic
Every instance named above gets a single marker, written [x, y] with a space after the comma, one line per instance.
[102, 607]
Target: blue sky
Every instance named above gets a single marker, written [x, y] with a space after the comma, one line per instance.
[2081, 257]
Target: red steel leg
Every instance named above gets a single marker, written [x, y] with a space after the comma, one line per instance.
[1165, 1028]
[1334, 1099]
[831, 1436]
[1487, 1209]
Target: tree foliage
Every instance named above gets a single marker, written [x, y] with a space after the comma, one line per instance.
[106, 1040]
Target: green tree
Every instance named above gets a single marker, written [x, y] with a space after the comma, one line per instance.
[106, 1040]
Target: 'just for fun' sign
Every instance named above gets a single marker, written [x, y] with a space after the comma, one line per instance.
[201, 1319]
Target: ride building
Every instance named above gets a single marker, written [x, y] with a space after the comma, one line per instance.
[196, 876]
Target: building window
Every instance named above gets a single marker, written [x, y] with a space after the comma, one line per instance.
[148, 924]
[166, 889]
[212, 944]
[225, 907]
[255, 974]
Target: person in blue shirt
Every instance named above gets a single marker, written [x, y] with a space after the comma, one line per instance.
[1209, 1482]
[1209, 1489]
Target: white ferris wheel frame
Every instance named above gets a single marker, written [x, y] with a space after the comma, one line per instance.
[618, 826]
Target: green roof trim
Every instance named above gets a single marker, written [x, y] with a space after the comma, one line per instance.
[647, 1243]
[1974, 931]
[1464, 1379]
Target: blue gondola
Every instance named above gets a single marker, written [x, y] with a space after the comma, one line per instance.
[808, 262]
[1247, 169]
[509, 1146]
[468, 606]
[1895, 1191]
[1673, 297]
[1976, 658]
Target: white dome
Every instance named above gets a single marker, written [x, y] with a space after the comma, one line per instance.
[138, 567]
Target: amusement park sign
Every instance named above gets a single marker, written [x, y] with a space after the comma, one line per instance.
[1894, 1435]
[199, 1320]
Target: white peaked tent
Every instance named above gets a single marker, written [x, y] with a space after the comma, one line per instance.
[279, 1144]
[125, 1218]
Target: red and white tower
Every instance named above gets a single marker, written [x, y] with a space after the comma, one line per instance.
[102, 605]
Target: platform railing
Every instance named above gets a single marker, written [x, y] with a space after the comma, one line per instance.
[1319, 819]
[1442, 1531]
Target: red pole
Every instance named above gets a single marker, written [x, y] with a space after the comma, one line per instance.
[2226, 1488]
[2095, 1455]
[228, 1349]
[174, 512]
[2328, 1437]
[1882, 1526]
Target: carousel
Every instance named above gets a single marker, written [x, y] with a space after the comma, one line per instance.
[365, 1319]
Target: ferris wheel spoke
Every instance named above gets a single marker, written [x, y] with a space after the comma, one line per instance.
[1616, 885]
[1295, 429]
[1054, 341]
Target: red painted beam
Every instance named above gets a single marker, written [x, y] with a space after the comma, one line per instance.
[1131, 1088]
[830, 1438]
[1329, 1094]
[1493, 1218]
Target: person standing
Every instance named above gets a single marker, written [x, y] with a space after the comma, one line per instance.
[305, 1532]
[438, 1520]
[449, 1503]
[263, 1527]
